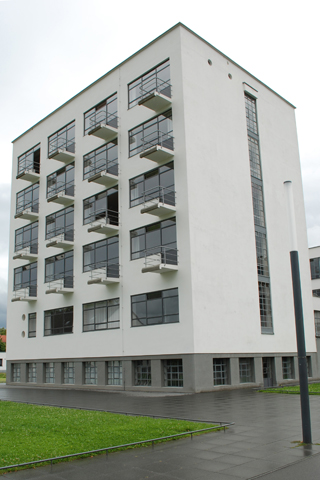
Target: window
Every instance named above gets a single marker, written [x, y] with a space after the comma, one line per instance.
[258, 210]
[27, 237]
[26, 278]
[173, 373]
[103, 315]
[114, 369]
[265, 307]
[262, 254]
[103, 254]
[157, 131]
[30, 160]
[68, 372]
[287, 368]
[158, 183]
[32, 325]
[246, 370]
[316, 293]
[90, 373]
[155, 80]
[28, 199]
[61, 223]
[156, 238]
[315, 268]
[221, 371]
[254, 156]
[102, 159]
[49, 372]
[16, 372]
[317, 322]
[60, 267]
[61, 181]
[103, 113]
[104, 205]
[63, 139]
[58, 321]
[32, 372]
[142, 373]
[155, 308]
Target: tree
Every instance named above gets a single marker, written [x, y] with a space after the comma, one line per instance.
[2, 346]
[3, 331]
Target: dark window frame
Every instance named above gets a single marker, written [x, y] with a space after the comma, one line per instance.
[66, 273]
[166, 194]
[105, 117]
[150, 133]
[142, 373]
[94, 164]
[60, 321]
[141, 234]
[27, 272]
[315, 268]
[145, 79]
[111, 262]
[33, 204]
[66, 230]
[97, 307]
[26, 164]
[57, 181]
[57, 141]
[98, 213]
[146, 303]
[31, 242]
[173, 372]
[32, 325]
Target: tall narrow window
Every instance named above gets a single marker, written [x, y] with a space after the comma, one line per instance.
[259, 217]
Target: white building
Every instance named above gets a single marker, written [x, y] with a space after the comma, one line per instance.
[149, 243]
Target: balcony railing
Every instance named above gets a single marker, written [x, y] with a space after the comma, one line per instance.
[28, 211]
[62, 193]
[159, 201]
[155, 94]
[64, 239]
[24, 293]
[59, 285]
[157, 146]
[105, 222]
[160, 260]
[62, 149]
[103, 172]
[26, 251]
[105, 274]
[28, 171]
[103, 125]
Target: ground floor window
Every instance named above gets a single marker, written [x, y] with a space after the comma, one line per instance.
[142, 372]
[221, 371]
[49, 372]
[16, 372]
[246, 370]
[90, 373]
[32, 372]
[68, 372]
[287, 368]
[173, 373]
[114, 369]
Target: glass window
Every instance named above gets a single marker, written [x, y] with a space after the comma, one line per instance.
[102, 159]
[103, 315]
[90, 373]
[58, 321]
[158, 183]
[49, 372]
[288, 368]
[315, 268]
[316, 293]
[32, 325]
[32, 372]
[246, 370]
[155, 80]
[173, 373]
[16, 372]
[28, 199]
[103, 254]
[114, 369]
[60, 267]
[262, 254]
[26, 278]
[317, 322]
[221, 371]
[63, 139]
[30, 160]
[104, 113]
[61, 181]
[157, 131]
[68, 372]
[265, 307]
[158, 238]
[155, 308]
[61, 223]
[27, 237]
[142, 372]
[104, 205]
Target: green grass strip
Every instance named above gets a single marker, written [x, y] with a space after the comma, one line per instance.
[313, 388]
[31, 432]
[3, 378]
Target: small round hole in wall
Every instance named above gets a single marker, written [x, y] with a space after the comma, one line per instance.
[210, 62]
[23, 316]
[23, 334]
[230, 76]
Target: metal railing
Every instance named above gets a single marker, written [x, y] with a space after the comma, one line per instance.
[102, 165]
[155, 84]
[59, 283]
[160, 256]
[103, 118]
[61, 143]
[62, 235]
[109, 270]
[25, 292]
[26, 166]
[30, 207]
[159, 194]
[103, 217]
[66, 187]
[157, 137]
[25, 248]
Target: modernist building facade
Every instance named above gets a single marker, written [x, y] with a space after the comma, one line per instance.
[149, 244]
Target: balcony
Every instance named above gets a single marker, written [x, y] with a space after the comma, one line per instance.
[27, 252]
[155, 94]
[62, 240]
[108, 225]
[62, 150]
[157, 146]
[159, 201]
[105, 275]
[29, 174]
[160, 260]
[103, 177]
[62, 193]
[103, 125]
[28, 212]
[61, 285]
[26, 294]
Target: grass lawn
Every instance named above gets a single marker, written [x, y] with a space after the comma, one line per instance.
[31, 432]
[314, 389]
[3, 377]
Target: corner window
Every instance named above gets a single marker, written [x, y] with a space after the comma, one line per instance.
[155, 308]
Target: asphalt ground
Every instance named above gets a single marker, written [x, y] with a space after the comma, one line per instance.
[261, 444]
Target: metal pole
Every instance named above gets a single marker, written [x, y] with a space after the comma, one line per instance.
[298, 310]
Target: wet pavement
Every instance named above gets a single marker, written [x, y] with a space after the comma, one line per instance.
[261, 444]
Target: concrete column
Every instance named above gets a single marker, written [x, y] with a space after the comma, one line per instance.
[40, 372]
[78, 373]
[278, 370]
[101, 368]
[258, 370]
[156, 373]
[58, 373]
[234, 371]
[127, 373]
[23, 372]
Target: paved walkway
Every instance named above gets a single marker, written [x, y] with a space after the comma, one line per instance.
[260, 445]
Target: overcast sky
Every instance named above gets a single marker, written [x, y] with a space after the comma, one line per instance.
[52, 49]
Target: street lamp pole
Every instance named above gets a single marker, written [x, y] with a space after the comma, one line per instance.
[298, 310]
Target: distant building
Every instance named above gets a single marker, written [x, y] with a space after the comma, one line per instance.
[149, 241]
